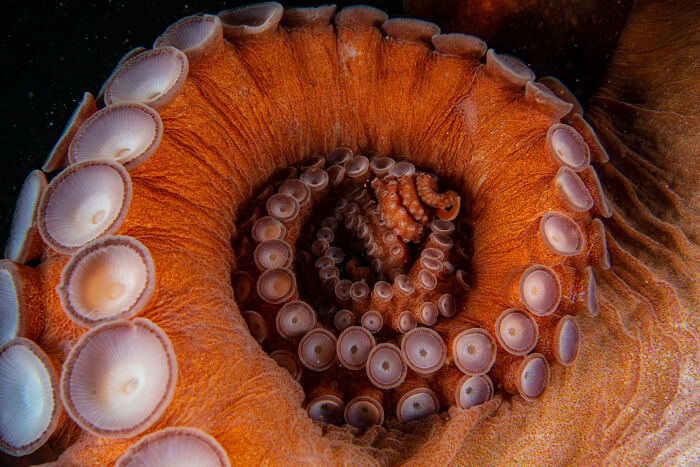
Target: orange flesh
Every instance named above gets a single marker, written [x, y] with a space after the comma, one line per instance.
[358, 89]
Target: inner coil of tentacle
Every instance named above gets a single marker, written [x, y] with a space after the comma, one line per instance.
[353, 262]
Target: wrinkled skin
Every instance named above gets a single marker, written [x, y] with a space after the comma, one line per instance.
[632, 396]
[646, 115]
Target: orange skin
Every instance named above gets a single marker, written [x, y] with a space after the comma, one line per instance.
[427, 187]
[448, 203]
[239, 103]
[394, 213]
[409, 198]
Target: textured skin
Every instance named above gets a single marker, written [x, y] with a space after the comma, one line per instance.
[394, 212]
[647, 396]
[652, 134]
[427, 190]
[632, 395]
[409, 198]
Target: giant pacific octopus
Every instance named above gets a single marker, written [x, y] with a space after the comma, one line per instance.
[322, 236]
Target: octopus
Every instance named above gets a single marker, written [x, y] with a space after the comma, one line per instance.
[257, 265]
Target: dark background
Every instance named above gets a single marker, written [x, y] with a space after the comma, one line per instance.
[53, 52]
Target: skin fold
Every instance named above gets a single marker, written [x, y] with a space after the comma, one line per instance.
[645, 113]
[631, 397]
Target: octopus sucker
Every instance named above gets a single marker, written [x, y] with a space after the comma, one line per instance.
[58, 156]
[24, 243]
[127, 133]
[119, 378]
[152, 77]
[109, 278]
[176, 445]
[305, 297]
[27, 421]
